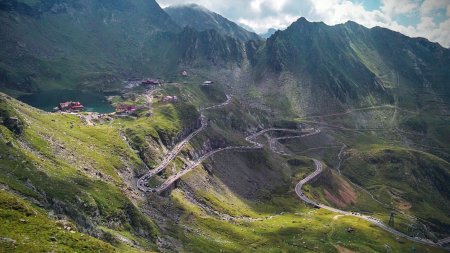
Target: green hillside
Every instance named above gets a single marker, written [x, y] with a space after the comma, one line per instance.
[70, 44]
[97, 194]
[370, 105]
[348, 65]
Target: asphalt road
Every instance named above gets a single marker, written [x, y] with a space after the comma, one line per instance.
[141, 183]
[251, 139]
[375, 221]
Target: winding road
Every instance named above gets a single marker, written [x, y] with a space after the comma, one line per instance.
[142, 185]
[251, 139]
[319, 169]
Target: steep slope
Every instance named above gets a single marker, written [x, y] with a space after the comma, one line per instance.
[202, 19]
[84, 176]
[75, 172]
[22, 222]
[206, 54]
[328, 68]
[401, 177]
[67, 44]
[47, 45]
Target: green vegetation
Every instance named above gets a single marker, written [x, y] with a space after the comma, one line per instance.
[383, 95]
[41, 160]
[400, 178]
[201, 19]
[302, 229]
[28, 229]
[67, 166]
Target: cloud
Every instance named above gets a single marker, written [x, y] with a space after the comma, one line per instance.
[263, 24]
[429, 6]
[396, 7]
[261, 15]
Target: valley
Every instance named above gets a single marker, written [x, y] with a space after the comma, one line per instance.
[275, 136]
[192, 134]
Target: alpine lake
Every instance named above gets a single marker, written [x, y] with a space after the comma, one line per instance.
[47, 100]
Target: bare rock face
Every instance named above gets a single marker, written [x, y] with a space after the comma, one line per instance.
[13, 124]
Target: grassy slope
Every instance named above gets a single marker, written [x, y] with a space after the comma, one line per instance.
[77, 170]
[382, 156]
[293, 227]
[74, 171]
[28, 229]
[35, 170]
[401, 178]
[47, 49]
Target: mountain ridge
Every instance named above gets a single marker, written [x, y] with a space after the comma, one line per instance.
[201, 19]
[349, 61]
[365, 111]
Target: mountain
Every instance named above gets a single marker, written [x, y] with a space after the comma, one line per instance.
[195, 166]
[202, 19]
[269, 33]
[67, 44]
[350, 65]
[190, 46]
[46, 45]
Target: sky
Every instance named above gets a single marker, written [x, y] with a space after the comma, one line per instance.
[415, 18]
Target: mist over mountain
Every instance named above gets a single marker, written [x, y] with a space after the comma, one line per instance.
[269, 33]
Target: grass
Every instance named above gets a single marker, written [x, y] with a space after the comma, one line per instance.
[44, 165]
[44, 162]
[305, 230]
[28, 229]
[52, 153]
[398, 175]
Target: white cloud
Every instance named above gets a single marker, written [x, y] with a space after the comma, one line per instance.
[429, 6]
[261, 15]
[395, 7]
[261, 25]
[256, 5]
[343, 11]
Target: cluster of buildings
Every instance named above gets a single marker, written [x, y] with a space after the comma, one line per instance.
[123, 109]
[69, 107]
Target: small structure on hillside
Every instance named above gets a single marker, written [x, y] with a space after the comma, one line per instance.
[123, 109]
[70, 107]
[207, 83]
[170, 99]
[184, 73]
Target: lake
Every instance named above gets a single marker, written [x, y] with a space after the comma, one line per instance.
[47, 100]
